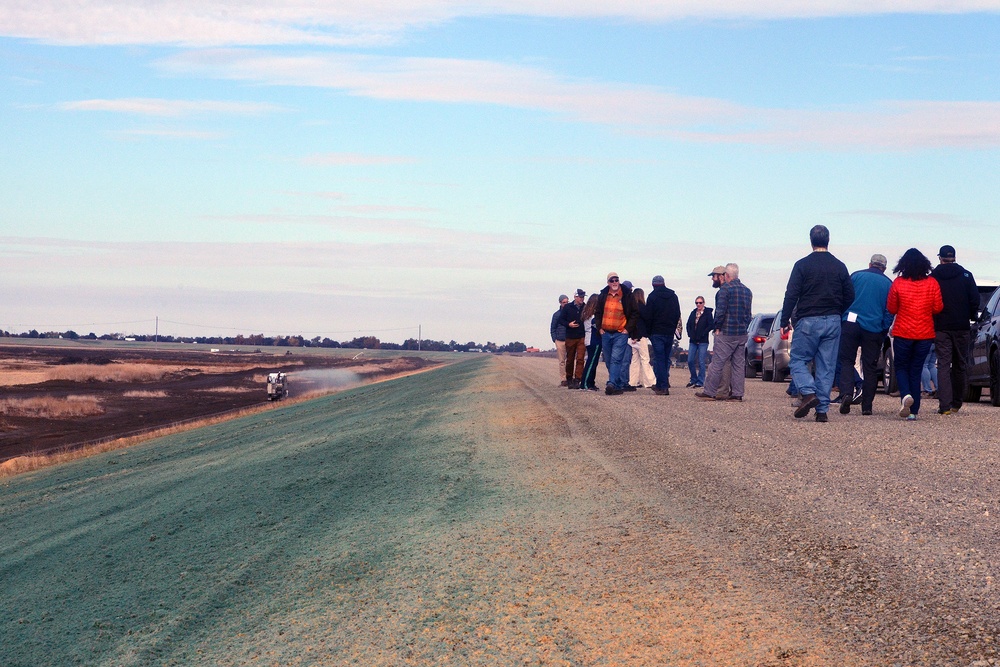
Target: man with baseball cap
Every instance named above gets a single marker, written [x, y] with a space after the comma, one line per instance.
[864, 324]
[558, 333]
[572, 319]
[951, 329]
[612, 314]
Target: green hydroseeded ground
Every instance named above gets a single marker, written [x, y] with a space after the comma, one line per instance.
[220, 545]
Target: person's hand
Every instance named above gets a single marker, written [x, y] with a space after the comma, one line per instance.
[573, 324]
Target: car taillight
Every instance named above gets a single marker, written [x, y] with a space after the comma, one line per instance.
[786, 334]
[759, 339]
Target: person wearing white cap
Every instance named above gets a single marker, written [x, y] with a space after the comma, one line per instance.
[864, 324]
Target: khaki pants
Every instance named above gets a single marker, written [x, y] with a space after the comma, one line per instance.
[561, 352]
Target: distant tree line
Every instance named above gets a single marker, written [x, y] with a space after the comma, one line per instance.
[260, 340]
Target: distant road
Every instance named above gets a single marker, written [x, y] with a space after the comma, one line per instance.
[478, 514]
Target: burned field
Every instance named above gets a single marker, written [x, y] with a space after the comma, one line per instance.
[54, 398]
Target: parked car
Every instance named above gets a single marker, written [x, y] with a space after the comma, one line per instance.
[757, 332]
[775, 352]
[984, 357]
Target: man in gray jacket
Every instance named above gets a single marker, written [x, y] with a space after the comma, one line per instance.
[951, 329]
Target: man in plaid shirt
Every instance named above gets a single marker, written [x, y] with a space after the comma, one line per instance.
[733, 312]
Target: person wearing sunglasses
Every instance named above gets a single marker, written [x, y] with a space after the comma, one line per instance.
[700, 324]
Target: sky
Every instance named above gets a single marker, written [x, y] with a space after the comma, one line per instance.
[448, 169]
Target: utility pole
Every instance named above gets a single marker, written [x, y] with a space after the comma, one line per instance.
[419, 326]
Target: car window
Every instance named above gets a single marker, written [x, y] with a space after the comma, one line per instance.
[776, 324]
[991, 308]
[765, 325]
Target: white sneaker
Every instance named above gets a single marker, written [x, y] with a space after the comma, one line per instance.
[904, 411]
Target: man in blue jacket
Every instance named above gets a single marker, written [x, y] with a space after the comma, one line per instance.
[865, 324]
[951, 329]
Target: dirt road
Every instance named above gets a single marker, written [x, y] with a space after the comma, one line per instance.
[480, 515]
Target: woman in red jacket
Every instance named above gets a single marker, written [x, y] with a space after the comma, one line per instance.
[914, 299]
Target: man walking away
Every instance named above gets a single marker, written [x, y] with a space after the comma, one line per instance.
[558, 333]
[661, 315]
[864, 325]
[819, 290]
[572, 320]
[615, 308]
[951, 329]
[700, 323]
[733, 303]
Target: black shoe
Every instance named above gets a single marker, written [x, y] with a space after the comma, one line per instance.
[738, 399]
[845, 408]
[593, 388]
[809, 401]
[563, 383]
[689, 385]
[856, 399]
[628, 387]
[703, 396]
[821, 417]
[866, 413]
[611, 390]
[661, 392]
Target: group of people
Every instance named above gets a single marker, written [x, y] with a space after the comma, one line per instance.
[620, 324]
[834, 313]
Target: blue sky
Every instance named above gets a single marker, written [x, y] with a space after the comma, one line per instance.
[352, 169]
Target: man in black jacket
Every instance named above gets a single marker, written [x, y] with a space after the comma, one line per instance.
[661, 315]
[951, 329]
[571, 318]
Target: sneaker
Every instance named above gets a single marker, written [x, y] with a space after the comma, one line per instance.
[593, 388]
[797, 401]
[911, 417]
[904, 410]
[809, 401]
[821, 417]
[845, 408]
[955, 409]
[612, 390]
[856, 399]
[697, 385]
[703, 396]
[689, 385]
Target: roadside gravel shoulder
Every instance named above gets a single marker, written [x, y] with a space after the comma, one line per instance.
[882, 531]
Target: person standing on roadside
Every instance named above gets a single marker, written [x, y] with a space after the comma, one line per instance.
[699, 324]
[615, 308]
[640, 372]
[914, 299]
[558, 333]
[733, 312]
[593, 341]
[819, 290]
[661, 315]
[951, 329]
[865, 324]
[572, 320]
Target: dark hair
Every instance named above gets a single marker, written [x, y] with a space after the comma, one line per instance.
[639, 296]
[819, 237]
[588, 310]
[913, 265]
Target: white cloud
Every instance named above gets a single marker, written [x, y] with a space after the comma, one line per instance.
[888, 125]
[170, 108]
[218, 22]
[353, 160]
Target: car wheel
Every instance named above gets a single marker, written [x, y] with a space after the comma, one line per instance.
[891, 385]
[767, 375]
[973, 393]
[749, 370]
[995, 378]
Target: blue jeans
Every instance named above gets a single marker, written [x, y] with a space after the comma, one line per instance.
[816, 339]
[697, 357]
[663, 345]
[613, 346]
[908, 357]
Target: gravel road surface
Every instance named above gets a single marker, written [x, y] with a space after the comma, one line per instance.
[478, 514]
[882, 533]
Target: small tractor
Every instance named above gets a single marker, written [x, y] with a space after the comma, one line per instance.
[277, 386]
